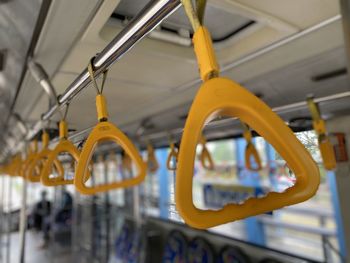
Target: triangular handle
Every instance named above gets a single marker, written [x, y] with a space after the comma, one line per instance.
[15, 166]
[64, 146]
[206, 159]
[30, 158]
[172, 157]
[327, 153]
[106, 131]
[34, 169]
[152, 162]
[325, 146]
[252, 153]
[32, 151]
[223, 97]
[205, 156]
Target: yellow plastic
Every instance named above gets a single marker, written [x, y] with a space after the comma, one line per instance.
[327, 153]
[223, 97]
[15, 166]
[38, 161]
[127, 163]
[251, 152]
[102, 113]
[172, 156]
[208, 67]
[106, 131]
[32, 151]
[152, 162]
[325, 146]
[205, 156]
[8, 168]
[64, 146]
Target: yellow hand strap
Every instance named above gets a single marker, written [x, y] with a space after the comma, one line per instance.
[38, 161]
[10, 167]
[196, 17]
[223, 97]
[16, 165]
[250, 151]
[105, 131]
[63, 146]
[205, 156]
[152, 162]
[33, 147]
[32, 151]
[172, 157]
[326, 148]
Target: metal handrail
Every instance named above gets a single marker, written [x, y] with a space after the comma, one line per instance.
[148, 19]
[301, 228]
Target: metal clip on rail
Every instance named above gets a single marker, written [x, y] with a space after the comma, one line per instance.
[219, 96]
[250, 151]
[326, 148]
[39, 159]
[172, 157]
[152, 162]
[105, 131]
[205, 156]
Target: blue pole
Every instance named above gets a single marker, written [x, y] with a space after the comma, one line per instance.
[337, 212]
[164, 183]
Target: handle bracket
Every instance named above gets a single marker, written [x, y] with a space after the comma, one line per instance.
[325, 146]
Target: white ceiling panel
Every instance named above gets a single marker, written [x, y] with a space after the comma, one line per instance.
[157, 79]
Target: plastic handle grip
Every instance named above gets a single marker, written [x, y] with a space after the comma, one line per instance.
[325, 146]
[172, 157]
[251, 152]
[24, 167]
[327, 154]
[152, 162]
[64, 146]
[38, 160]
[15, 166]
[27, 164]
[106, 131]
[205, 156]
[223, 97]
[18, 166]
[32, 151]
[37, 164]
[45, 138]
[206, 159]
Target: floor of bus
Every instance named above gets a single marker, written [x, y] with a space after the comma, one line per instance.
[33, 253]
